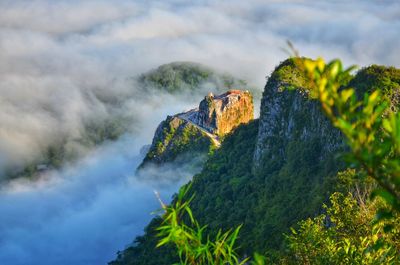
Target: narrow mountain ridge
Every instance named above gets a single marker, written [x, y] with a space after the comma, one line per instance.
[199, 131]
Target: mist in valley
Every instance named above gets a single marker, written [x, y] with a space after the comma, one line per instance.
[66, 65]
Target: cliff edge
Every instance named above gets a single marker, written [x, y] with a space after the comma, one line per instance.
[199, 130]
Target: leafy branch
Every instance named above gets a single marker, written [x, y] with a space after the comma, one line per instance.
[193, 245]
[371, 129]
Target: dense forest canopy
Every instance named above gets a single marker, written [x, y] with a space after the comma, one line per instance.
[178, 77]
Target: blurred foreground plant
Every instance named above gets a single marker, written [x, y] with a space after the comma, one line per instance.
[371, 128]
[372, 131]
[193, 245]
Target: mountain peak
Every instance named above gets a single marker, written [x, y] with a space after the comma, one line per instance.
[199, 129]
[220, 114]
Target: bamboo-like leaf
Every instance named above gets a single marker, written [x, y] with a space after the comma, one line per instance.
[346, 94]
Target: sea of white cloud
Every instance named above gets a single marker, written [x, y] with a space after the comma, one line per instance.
[59, 58]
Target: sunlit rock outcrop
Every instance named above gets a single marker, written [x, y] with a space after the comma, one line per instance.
[198, 131]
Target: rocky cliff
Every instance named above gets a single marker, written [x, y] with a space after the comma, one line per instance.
[220, 114]
[289, 118]
[268, 174]
[270, 177]
[197, 131]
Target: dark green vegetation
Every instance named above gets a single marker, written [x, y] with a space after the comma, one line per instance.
[179, 77]
[176, 137]
[143, 250]
[271, 174]
[375, 77]
[345, 234]
[371, 128]
[387, 79]
[227, 183]
[295, 160]
[235, 155]
[289, 75]
[194, 246]
[363, 231]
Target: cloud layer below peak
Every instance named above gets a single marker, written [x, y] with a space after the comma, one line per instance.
[63, 61]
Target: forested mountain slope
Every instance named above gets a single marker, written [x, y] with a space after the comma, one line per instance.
[178, 77]
[271, 173]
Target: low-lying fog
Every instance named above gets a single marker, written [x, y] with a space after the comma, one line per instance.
[64, 62]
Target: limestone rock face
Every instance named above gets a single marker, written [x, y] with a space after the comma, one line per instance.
[288, 119]
[198, 130]
[220, 114]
